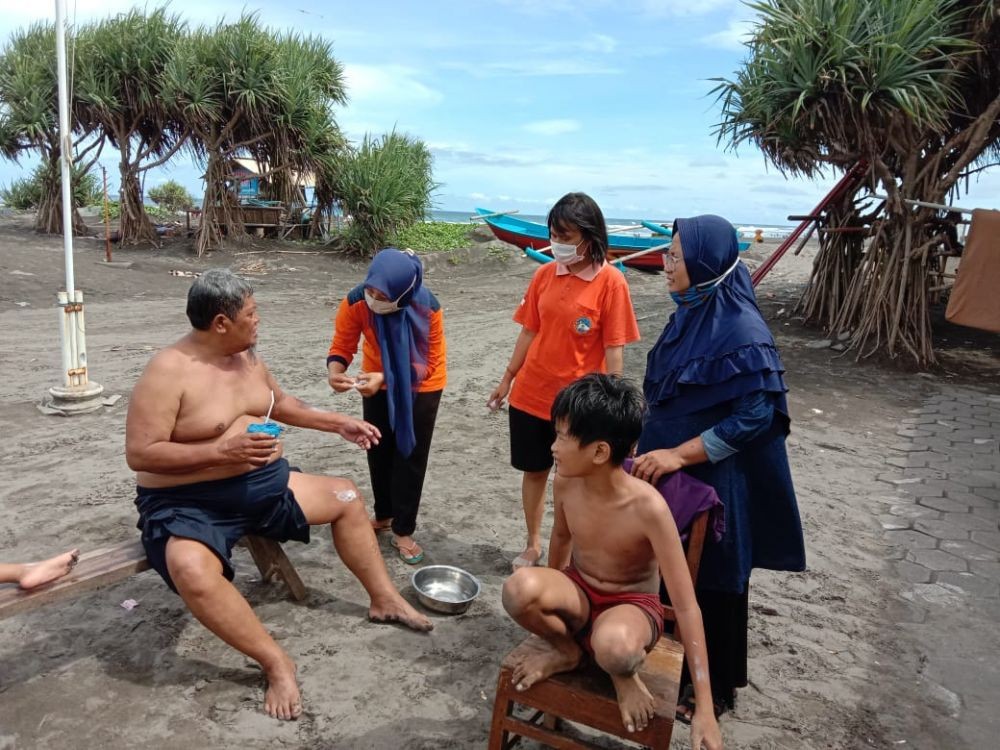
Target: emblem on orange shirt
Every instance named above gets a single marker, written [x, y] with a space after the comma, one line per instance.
[583, 325]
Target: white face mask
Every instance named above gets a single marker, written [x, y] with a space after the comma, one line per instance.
[380, 306]
[566, 254]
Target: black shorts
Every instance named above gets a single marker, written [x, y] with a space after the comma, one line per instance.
[531, 441]
[219, 513]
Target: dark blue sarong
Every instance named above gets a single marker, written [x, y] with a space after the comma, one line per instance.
[763, 529]
[219, 513]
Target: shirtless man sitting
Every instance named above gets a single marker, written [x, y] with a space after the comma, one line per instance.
[204, 481]
[611, 537]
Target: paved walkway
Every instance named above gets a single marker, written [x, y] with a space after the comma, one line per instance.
[945, 534]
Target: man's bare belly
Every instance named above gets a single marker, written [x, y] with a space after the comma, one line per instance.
[239, 425]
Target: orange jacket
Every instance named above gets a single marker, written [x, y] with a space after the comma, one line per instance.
[354, 319]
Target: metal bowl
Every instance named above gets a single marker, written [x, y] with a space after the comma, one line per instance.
[445, 588]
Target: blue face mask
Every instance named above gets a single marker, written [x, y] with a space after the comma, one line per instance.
[697, 295]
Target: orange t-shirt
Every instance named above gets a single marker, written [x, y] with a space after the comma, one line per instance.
[355, 319]
[574, 321]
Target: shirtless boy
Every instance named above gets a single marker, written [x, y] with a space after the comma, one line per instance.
[611, 537]
[204, 481]
[33, 575]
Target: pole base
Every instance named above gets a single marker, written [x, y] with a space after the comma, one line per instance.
[73, 401]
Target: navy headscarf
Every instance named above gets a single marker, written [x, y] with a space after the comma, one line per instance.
[721, 349]
[402, 335]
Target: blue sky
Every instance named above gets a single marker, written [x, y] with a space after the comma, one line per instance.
[521, 101]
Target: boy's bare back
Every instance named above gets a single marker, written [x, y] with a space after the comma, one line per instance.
[610, 531]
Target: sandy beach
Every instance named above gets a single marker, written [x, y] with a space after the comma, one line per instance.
[829, 667]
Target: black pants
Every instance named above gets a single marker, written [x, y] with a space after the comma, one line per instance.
[397, 482]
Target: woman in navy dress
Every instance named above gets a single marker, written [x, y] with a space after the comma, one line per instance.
[716, 396]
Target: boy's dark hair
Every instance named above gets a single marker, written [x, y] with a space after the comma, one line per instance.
[581, 211]
[602, 407]
[217, 291]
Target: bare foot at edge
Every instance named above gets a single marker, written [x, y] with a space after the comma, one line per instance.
[397, 609]
[543, 662]
[282, 699]
[39, 573]
[634, 701]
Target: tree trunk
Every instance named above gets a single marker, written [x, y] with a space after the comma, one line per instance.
[48, 218]
[220, 214]
[135, 224]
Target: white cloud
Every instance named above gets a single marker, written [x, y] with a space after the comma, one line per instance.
[551, 127]
[732, 37]
[392, 85]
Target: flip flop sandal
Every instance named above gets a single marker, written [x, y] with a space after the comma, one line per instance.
[410, 554]
[381, 524]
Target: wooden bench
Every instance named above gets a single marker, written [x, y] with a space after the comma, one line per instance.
[102, 567]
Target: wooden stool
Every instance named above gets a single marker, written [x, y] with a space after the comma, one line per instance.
[585, 696]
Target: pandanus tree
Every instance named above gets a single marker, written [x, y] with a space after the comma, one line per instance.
[909, 89]
[118, 87]
[385, 183]
[242, 91]
[29, 120]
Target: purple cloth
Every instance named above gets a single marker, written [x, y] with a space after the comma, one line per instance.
[687, 497]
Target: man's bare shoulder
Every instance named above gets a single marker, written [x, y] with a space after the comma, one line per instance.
[170, 360]
[645, 498]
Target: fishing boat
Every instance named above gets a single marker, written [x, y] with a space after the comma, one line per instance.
[524, 233]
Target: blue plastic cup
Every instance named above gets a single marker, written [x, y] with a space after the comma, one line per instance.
[268, 428]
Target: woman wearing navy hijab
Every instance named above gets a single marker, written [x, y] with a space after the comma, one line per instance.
[403, 375]
[715, 391]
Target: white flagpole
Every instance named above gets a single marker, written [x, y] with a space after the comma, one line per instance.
[76, 395]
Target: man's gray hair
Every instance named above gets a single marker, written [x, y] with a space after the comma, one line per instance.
[217, 291]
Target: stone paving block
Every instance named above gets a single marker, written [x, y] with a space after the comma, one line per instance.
[968, 550]
[919, 419]
[894, 523]
[928, 458]
[913, 475]
[974, 585]
[913, 433]
[976, 480]
[941, 529]
[913, 511]
[986, 568]
[927, 488]
[943, 504]
[935, 559]
[968, 521]
[989, 539]
[974, 499]
[900, 462]
[912, 572]
[993, 493]
[905, 447]
[911, 539]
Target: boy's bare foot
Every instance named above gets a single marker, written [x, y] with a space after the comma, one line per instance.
[46, 571]
[545, 660]
[397, 609]
[282, 699]
[634, 702]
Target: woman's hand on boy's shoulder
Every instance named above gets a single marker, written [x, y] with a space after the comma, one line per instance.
[653, 465]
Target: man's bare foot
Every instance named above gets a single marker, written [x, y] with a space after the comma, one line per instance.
[544, 661]
[282, 699]
[397, 609]
[46, 571]
[634, 702]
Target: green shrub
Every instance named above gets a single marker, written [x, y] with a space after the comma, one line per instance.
[26, 193]
[385, 184]
[171, 196]
[433, 236]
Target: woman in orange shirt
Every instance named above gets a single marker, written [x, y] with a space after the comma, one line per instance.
[576, 318]
[403, 376]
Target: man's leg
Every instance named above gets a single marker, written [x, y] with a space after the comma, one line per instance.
[337, 502]
[547, 603]
[620, 638]
[197, 573]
